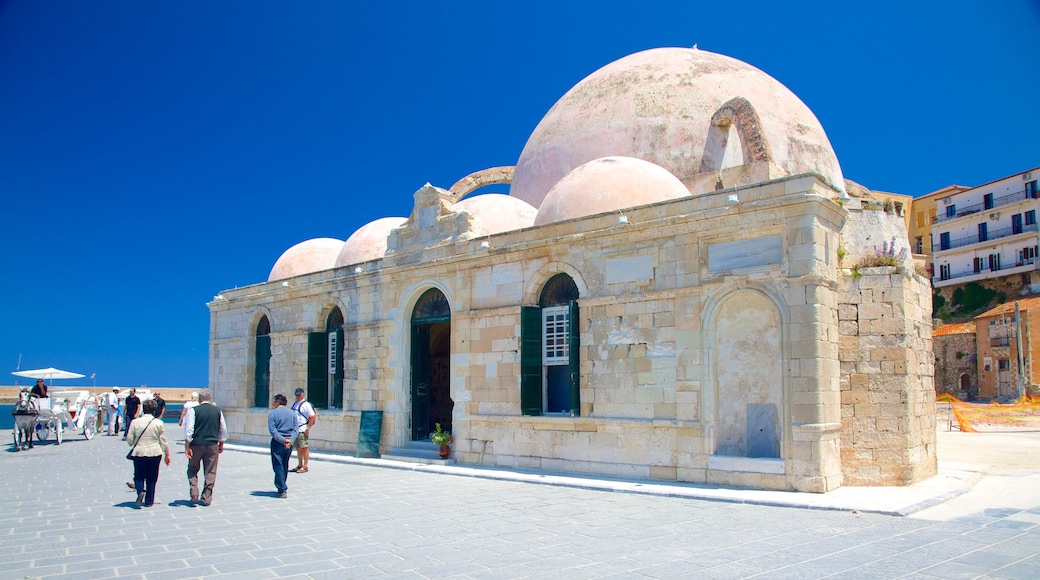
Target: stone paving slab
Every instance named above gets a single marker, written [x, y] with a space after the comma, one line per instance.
[65, 512]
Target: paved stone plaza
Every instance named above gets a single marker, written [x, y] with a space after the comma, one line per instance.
[66, 512]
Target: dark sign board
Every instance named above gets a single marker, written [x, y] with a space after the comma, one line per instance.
[369, 434]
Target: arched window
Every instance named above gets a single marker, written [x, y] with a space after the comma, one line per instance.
[549, 382]
[262, 369]
[432, 306]
[325, 363]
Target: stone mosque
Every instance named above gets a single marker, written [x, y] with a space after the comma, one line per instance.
[678, 286]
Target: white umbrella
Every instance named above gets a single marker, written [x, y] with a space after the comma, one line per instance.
[47, 373]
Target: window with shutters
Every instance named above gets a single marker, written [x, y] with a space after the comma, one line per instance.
[549, 351]
[262, 366]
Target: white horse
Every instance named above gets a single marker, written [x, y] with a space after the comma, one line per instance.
[25, 413]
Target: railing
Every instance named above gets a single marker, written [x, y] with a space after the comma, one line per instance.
[990, 236]
[976, 208]
[1000, 341]
[1018, 264]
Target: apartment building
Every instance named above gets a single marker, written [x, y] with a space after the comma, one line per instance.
[984, 232]
[921, 219]
[997, 338]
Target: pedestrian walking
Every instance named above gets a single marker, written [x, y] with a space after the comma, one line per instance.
[281, 422]
[146, 436]
[204, 436]
[188, 405]
[160, 404]
[112, 410]
[133, 410]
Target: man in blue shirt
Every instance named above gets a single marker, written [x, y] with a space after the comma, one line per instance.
[281, 423]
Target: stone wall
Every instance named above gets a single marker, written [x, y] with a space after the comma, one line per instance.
[956, 355]
[887, 392]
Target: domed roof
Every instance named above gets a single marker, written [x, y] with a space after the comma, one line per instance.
[608, 184]
[676, 108]
[306, 257]
[498, 212]
[368, 242]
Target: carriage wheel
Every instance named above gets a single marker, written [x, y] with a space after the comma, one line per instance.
[89, 428]
[43, 431]
[58, 429]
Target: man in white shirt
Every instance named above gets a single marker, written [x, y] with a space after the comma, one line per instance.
[305, 417]
[112, 409]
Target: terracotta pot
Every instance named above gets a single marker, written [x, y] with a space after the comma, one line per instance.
[444, 451]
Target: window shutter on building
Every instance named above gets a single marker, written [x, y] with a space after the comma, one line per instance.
[262, 380]
[574, 360]
[337, 384]
[530, 360]
[318, 369]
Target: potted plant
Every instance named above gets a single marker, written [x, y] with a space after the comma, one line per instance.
[443, 440]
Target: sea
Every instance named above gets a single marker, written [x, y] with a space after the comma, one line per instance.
[173, 413]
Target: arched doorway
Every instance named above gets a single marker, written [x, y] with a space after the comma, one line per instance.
[431, 368]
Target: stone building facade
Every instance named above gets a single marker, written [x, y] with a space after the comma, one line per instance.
[956, 358]
[669, 292]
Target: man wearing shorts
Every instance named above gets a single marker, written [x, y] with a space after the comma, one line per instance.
[305, 417]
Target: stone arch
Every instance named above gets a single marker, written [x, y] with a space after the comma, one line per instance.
[749, 401]
[736, 117]
[321, 316]
[535, 284]
[476, 180]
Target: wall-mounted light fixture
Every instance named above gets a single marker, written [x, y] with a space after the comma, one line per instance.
[732, 199]
[359, 270]
[622, 219]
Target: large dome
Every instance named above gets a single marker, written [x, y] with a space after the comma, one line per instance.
[368, 242]
[689, 111]
[306, 257]
[496, 212]
[608, 184]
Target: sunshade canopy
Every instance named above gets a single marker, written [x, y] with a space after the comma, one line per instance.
[47, 373]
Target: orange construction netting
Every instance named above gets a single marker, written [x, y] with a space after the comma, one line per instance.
[1023, 413]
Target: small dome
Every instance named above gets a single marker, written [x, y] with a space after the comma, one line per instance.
[691, 111]
[608, 184]
[496, 212]
[368, 242]
[306, 257]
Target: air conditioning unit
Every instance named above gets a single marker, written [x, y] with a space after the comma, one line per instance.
[1027, 176]
[994, 216]
[946, 201]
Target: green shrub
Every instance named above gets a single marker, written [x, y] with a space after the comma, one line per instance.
[971, 297]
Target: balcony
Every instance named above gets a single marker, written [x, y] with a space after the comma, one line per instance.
[997, 341]
[971, 209]
[990, 236]
[1019, 265]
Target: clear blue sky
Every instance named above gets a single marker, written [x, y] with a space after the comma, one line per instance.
[155, 153]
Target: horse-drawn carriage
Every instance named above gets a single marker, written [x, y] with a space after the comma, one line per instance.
[44, 416]
[67, 409]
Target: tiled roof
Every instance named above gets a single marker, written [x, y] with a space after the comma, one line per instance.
[1030, 303]
[959, 328]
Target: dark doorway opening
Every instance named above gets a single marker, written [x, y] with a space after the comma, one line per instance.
[431, 365]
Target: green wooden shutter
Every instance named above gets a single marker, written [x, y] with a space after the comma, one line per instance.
[530, 360]
[337, 384]
[262, 376]
[574, 361]
[318, 369]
